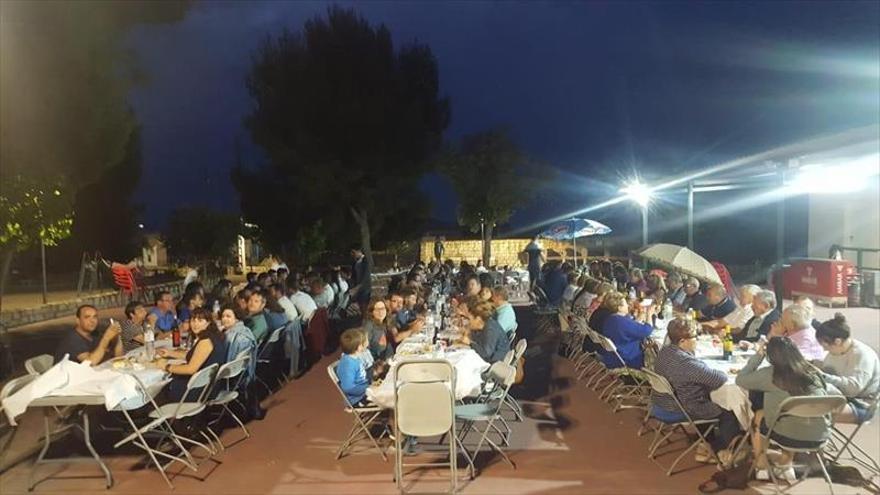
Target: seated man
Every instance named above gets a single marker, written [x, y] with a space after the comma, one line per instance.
[737, 318]
[133, 326]
[765, 315]
[693, 380]
[719, 304]
[162, 316]
[852, 367]
[407, 313]
[303, 302]
[85, 344]
[504, 314]
[397, 331]
[693, 298]
[256, 319]
[321, 292]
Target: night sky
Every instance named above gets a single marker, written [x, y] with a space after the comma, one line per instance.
[598, 90]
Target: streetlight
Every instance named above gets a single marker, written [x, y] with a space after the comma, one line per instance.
[640, 194]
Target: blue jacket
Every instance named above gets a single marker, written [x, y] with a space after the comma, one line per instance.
[353, 378]
[627, 335]
[240, 338]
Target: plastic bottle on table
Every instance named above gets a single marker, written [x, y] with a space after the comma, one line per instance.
[149, 342]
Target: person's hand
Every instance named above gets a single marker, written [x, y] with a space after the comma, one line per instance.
[160, 363]
[152, 318]
[418, 325]
[745, 345]
[162, 352]
[776, 329]
[112, 332]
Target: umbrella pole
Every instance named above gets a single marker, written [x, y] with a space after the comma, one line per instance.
[574, 241]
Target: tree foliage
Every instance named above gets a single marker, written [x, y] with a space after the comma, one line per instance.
[200, 234]
[347, 124]
[491, 177]
[33, 211]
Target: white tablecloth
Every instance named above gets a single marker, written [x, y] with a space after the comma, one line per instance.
[71, 379]
[468, 380]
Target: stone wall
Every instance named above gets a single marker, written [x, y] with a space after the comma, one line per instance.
[504, 251]
[103, 300]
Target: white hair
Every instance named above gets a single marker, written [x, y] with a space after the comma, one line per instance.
[767, 297]
[750, 289]
[799, 315]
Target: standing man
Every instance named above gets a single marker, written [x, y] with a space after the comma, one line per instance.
[85, 344]
[438, 249]
[535, 254]
[361, 280]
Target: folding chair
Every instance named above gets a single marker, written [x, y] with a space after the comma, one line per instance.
[855, 453]
[264, 355]
[679, 422]
[509, 400]
[486, 412]
[618, 390]
[424, 406]
[201, 383]
[362, 419]
[806, 407]
[7, 429]
[231, 375]
[159, 425]
[38, 365]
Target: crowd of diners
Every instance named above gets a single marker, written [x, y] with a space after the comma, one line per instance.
[217, 325]
[794, 354]
[478, 308]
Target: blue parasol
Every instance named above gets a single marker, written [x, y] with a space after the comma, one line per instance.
[573, 228]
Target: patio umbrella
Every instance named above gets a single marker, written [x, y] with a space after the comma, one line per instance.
[573, 228]
[681, 259]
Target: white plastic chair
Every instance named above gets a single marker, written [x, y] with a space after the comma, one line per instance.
[230, 375]
[8, 430]
[486, 413]
[362, 419]
[38, 365]
[806, 407]
[264, 355]
[159, 425]
[202, 382]
[424, 406]
[661, 385]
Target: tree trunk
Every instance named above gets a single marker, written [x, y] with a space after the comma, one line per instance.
[4, 270]
[360, 216]
[487, 244]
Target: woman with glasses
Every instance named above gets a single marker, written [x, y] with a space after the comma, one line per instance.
[693, 381]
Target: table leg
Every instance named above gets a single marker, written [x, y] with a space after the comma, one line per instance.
[88, 440]
[47, 440]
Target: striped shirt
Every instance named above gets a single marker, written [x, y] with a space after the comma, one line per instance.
[692, 381]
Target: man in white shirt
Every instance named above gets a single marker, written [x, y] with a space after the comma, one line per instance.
[321, 293]
[290, 311]
[303, 302]
[741, 315]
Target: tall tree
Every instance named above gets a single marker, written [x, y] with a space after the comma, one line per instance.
[491, 177]
[347, 124]
[200, 234]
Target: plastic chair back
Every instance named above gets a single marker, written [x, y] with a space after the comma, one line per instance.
[658, 383]
[331, 372]
[811, 406]
[519, 350]
[14, 385]
[38, 365]
[502, 373]
[423, 370]
[425, 408]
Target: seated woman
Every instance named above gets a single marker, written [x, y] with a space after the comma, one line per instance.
[627, 333]
[377, 331]
[692, 380]
[788, 375]
[209, 348]
[483, 334]
[852, 367]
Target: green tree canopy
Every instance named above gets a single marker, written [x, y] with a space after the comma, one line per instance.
[347, 123]
[200, 234]
[491, 177]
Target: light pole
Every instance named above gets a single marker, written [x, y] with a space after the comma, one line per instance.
[641, 195]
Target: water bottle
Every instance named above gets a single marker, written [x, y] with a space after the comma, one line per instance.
[216, 308]
[667, 311]
[149, 342]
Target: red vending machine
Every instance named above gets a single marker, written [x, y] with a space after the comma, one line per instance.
[825, 281]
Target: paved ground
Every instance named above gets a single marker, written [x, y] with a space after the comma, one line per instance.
[30, 300]
[571, 443]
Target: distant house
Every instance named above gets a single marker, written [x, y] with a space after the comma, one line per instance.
[154, 253]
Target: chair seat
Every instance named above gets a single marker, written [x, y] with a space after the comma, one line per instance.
[187, 409]
[224, 397]
[475, 412]
[359, 410]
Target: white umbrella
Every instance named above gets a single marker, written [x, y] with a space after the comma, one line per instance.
[681, 259]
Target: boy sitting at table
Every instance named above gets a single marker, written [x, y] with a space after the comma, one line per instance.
[354, 377]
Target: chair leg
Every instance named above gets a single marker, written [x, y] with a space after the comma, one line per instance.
[825, 472]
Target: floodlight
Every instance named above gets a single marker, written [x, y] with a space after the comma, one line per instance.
[638, 192]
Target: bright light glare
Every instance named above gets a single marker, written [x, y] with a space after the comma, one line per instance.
[834, 179]
[638, 192]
